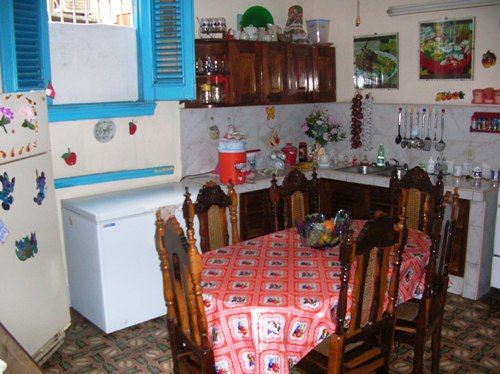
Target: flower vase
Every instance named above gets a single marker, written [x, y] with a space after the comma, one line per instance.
[321, 157]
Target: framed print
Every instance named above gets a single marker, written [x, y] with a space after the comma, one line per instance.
[446, 49]
[376, 61]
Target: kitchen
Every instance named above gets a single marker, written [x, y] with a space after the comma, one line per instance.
[173, 137]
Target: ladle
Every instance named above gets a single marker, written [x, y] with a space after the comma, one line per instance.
[418, 143]
[441, 144]
[411, 140]
[434, 141]
[428, 140]
[404, 142]
[398, 138]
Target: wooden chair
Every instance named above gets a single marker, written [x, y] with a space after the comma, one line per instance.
[180, 264]
[419, 319]
[298, 196]
[416, 198]
[210, 207]
[363, 343]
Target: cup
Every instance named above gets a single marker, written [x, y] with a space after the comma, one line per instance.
[251, 31]
[266, 38]
[466, 169]
[261, 31]
[457, 170]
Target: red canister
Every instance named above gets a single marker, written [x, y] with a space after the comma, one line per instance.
[290, 154]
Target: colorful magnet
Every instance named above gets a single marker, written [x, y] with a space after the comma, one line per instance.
[7, 117]
[7, 186]
[26, 247]
[489, 59]
[69, 157]
[4, 232]
[30, 121]
[41, 186]
[132, 127]
[270, 112]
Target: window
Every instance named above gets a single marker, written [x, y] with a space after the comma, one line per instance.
[165, 62]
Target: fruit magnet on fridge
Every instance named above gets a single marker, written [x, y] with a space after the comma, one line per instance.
[132, 127]
[69, 157]
[29, 121]
[7, 188]
[41, 186]
[26, 247]
[489, 59]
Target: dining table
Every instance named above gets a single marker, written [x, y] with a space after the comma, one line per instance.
[268, 299]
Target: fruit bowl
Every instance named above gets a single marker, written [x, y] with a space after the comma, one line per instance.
[318, 232]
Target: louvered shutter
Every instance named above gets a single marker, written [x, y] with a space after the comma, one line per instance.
[25, 47]
[173, 49]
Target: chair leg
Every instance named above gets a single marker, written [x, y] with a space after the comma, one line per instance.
[436, 348]
[418, 353]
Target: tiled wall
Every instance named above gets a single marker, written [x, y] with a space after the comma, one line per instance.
[199, 151]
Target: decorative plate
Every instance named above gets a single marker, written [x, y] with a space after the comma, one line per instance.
[104, 130]
[257, 16]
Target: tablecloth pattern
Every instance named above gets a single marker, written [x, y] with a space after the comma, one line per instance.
[267, 299]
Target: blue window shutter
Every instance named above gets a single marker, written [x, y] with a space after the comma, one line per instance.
[25, 50]
[171, 47]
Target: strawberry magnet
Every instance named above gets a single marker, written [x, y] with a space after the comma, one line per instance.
[69, 157]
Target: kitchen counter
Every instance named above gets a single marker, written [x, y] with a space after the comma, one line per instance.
[482, 195]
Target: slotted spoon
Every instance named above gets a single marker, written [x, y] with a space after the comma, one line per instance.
[440, 146]
[428, 140]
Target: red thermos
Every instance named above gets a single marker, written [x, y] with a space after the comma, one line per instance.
[290, 154]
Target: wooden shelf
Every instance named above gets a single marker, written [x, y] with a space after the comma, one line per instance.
[487, 131]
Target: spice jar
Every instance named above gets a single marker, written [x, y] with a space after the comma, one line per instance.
[488, 95]
[206, 93]
[218, 88]
[477, 96]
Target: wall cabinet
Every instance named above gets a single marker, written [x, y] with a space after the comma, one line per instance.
[362, 201]
[260, 73]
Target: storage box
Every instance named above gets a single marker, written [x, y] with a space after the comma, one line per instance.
[317, 30]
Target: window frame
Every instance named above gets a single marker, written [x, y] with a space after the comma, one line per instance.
[148, 91]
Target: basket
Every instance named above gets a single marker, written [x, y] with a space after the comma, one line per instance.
[317, 232]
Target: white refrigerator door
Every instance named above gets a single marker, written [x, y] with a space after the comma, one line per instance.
[24, 127]
[33, 294]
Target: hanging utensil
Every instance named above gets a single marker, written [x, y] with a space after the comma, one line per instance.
[440, 146]
[412, 138]
[398, 137]
[404, 142]
[428, 140]
[418, 142]
[434, 141]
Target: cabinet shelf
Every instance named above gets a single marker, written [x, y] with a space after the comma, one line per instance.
[486, 131]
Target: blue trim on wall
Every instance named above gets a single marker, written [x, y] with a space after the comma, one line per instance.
[113, 176]
[72, 112]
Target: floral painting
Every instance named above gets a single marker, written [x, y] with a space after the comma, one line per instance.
[446, 49]
[376, 61]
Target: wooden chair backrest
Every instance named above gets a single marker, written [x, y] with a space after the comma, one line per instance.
[298, 196]
[380, 240]
[180, 264]
[416, 198]
[436, 280]
[210, 207]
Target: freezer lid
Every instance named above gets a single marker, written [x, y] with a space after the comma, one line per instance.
[24, 126]
[114, 205]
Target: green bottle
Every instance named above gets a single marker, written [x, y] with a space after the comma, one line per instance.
[381, 156]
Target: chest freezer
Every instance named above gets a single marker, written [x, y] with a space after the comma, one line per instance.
[113, 267]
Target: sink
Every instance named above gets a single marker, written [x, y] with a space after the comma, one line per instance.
[363, 169]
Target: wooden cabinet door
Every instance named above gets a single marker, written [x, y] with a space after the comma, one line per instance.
[245, 65]
[274, 73]
[300, 73]
[324, 74]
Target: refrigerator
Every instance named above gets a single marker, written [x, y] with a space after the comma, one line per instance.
[34, 305]
[113, 267]
[495, 268]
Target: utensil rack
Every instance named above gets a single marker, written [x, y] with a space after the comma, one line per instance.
[488, 122]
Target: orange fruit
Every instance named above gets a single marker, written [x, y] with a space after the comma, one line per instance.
[328, 225]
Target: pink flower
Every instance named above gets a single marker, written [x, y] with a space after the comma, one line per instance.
[305, 127]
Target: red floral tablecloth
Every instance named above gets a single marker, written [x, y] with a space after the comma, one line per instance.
[267, 299]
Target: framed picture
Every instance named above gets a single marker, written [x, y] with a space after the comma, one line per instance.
[376, 61]
[446, 49]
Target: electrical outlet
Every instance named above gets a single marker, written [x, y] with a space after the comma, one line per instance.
[470, 152]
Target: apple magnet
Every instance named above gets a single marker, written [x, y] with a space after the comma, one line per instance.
[69, 157]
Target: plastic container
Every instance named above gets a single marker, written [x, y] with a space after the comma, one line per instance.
[232, 161]
[317, 30]
[290, 154]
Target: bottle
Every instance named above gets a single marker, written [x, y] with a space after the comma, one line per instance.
[381, 156]
[302, 152]
[431, 165]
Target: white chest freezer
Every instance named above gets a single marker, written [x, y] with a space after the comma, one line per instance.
[113, 267]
